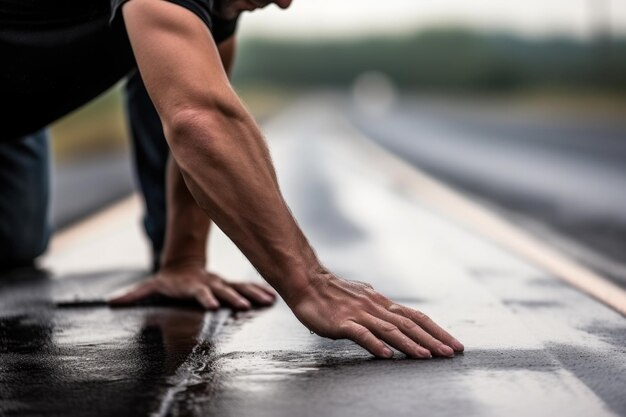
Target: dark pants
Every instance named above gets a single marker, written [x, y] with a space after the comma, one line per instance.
[25, 226]
[24, 199]
[151, 153]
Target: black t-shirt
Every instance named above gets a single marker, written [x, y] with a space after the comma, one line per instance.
[56, 55]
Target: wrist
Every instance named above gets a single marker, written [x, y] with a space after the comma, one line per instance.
[183, 261]
[299, 285]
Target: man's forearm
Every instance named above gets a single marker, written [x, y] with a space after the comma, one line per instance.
[228, 169]
[216, 143]
[188, 225]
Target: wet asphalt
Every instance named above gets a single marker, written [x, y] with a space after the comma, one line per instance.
[534, 346]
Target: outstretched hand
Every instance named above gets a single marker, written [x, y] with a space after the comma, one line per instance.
[194, 282]
[335, 308]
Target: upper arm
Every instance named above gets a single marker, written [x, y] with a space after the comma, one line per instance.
[227, 53]
[177, 57]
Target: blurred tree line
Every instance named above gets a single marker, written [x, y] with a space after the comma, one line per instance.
[439, 60]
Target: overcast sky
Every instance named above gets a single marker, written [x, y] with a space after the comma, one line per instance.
[331, 18]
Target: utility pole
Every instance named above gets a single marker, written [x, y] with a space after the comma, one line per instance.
[599, 12]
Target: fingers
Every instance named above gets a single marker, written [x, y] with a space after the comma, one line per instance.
[138, 293]
[254, 293]
[393, 336]
[207, 289]
[419, 335]
[428, 325]
[205, 297]
[266, 288]
[232, 297]
[364, 338]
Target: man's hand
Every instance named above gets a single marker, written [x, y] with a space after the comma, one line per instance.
[194, 282]
[337, 309]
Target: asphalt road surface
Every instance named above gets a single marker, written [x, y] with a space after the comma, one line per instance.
[534, 345]
[558, 174]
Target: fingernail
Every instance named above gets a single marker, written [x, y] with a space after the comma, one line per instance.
[387, 353]
[425, 354]
[446, 350]
[458, 346]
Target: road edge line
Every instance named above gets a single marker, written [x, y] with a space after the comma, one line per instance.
[91, 225]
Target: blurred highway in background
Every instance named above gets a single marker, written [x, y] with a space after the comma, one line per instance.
[559, 174]
[83, 186]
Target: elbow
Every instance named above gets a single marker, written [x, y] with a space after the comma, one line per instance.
[182, 125]
[195, 129]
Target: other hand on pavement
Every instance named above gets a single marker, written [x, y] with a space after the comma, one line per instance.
[194, 282]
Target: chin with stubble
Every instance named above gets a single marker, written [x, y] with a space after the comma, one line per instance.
[230, 9]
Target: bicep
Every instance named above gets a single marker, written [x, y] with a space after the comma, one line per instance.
[176, 55]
